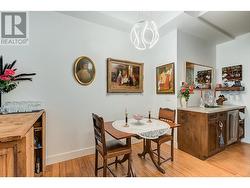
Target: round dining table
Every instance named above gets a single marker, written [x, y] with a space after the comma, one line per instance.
[145, 128]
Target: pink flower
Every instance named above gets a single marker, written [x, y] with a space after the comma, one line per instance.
[183, 89]
[185, 84]
[9, 72]
[4, 78]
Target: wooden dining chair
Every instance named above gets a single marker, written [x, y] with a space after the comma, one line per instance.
[108, 149]
[167, 115]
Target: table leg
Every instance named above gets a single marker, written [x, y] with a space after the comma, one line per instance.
[144, 152]
[148, 149]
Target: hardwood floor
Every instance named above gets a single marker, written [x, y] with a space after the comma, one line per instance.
[234, 161]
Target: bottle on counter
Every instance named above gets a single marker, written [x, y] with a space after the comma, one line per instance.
[38, 165]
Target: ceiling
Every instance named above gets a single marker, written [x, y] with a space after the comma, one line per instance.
[213, 26]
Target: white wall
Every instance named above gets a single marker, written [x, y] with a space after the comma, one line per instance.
[163, 53]
[236, 52]
[56, 40]
[195, 50]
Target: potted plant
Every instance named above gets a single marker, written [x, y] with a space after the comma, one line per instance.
[185, 92]
[9, 79]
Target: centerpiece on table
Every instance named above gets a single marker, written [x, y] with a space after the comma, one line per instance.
[9, 79]
[184, 94]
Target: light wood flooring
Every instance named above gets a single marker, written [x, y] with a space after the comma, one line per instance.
[234, 161]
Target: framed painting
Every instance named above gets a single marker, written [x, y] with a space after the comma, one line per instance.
[165, 79]
[84, 70]
[232, 73]
[124, 76]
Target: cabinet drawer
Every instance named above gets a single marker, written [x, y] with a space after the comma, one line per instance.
[222, 115]
[219, 116]
[212, 116]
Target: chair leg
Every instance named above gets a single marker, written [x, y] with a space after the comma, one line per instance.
[104, 167]
[96, 162]
[172, 150]
[172, 145]
[116, 161]
[129, 166]
[159, 153]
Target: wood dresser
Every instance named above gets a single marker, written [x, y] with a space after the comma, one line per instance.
[19, 134]
[207, 131]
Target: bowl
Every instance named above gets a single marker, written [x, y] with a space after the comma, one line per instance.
[137, 117]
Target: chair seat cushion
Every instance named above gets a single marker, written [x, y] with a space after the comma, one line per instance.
[114, 144]
[163, 138]
[116, 147]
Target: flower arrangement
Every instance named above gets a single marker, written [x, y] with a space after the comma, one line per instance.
[8, 77]
[186, 90]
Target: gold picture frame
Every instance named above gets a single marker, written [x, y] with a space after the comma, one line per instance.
[165, 79]
[84, 70]
[124, 76]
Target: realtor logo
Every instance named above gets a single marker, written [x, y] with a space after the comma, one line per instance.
[14, 28]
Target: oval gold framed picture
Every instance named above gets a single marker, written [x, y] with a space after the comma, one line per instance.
[84, 70]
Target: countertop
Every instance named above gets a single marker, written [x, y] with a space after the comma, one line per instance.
[15, 126]
[211, 110]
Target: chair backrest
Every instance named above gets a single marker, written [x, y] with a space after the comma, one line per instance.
[167, 114]
[99, 131]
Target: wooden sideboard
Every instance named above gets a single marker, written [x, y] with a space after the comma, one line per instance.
[18, 154]
[205, 132]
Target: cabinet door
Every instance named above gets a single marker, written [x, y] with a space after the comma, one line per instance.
[7, 161]
[216, 135]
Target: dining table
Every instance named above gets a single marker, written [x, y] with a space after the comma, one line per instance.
[147, 129]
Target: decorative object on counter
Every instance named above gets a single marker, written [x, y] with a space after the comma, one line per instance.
[202, 104]
[209, 99]
[21, 106]
[184, 93]
[165, 79]
[9, 79]
[200, 76]
[221, 99]
[84, 70]
[124, 76]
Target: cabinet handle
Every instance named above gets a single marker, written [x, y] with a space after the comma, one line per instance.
[221, 139]
[221, 125]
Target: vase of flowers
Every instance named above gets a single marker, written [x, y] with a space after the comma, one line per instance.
[9, 79]
[185, 92]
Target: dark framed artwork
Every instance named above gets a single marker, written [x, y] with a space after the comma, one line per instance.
[84, 70]
[124, 76]
[232, 73]
[165, 79]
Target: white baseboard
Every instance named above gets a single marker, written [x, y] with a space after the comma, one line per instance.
[60, 157]
[69, 155]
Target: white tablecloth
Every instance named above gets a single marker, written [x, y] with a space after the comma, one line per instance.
[143, 128]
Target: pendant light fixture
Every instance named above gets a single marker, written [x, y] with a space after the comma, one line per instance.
[144, 34]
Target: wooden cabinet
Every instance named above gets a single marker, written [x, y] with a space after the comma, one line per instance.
[202, 134]
[17, 147]
[8, 153]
